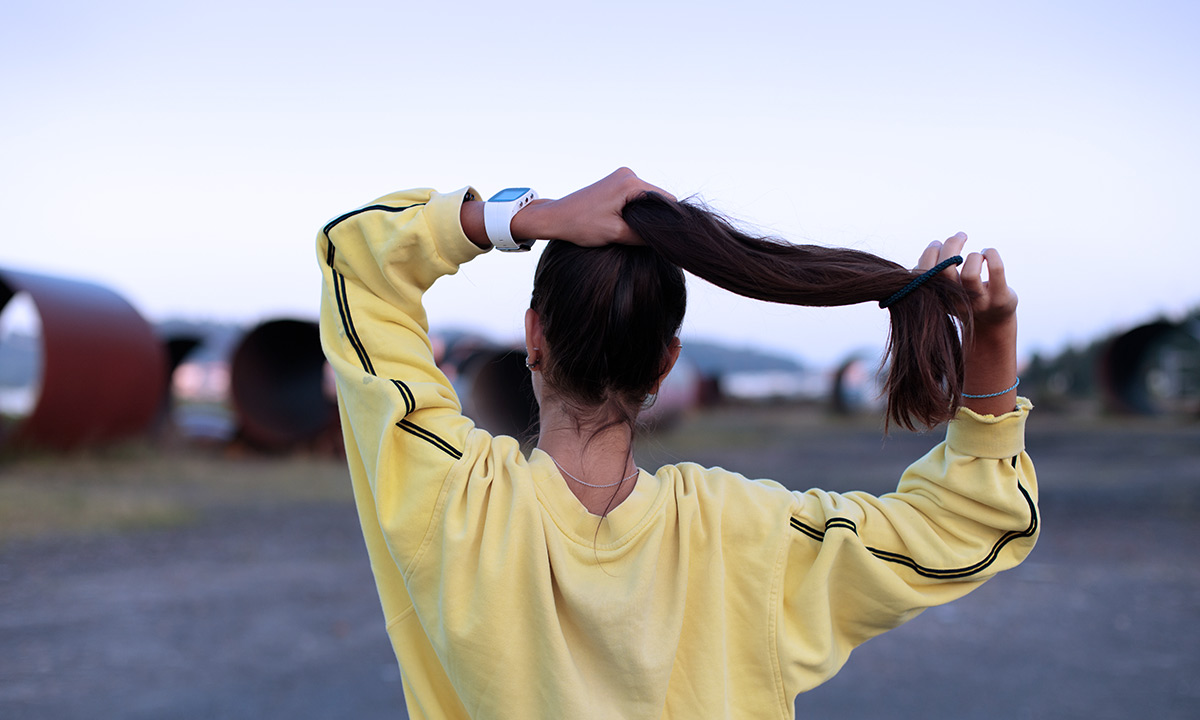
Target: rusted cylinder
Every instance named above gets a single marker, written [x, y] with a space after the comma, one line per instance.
[495, 390]
[277, 380]
[103, 368]
[1153, 369]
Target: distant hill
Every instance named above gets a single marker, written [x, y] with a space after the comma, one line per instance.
[715, 359]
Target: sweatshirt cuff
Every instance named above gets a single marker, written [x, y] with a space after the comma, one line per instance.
[443, 214]
[989, 436]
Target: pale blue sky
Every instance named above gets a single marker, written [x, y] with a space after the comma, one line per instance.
[186, 154]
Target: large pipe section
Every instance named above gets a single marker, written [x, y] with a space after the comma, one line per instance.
[103, 373]
[494, 387]
[278, 385]
[1153, 369]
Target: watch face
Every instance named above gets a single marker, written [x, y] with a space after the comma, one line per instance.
[508, 195]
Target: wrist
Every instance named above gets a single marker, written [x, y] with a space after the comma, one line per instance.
[470, 217]
[989, 337]
[532, 221]
[991, 368]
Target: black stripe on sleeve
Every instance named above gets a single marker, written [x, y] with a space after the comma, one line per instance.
[343, 303]
[838, 522]
[940, 573]
[410, 402]
[339, 282]
[430, 438]
[383, 208]
[812, 532]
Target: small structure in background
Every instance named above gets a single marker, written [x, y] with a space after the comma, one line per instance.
[751, 375]
[200, 406]
[858, 385]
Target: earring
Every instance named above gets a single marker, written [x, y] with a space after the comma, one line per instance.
[532, 365]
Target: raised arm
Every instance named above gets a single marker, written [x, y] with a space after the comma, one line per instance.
[860, 565]
[401, 420]
[589, 217]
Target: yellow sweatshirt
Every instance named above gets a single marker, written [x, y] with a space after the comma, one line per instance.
[702, 595]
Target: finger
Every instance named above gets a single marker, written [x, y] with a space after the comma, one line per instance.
[647, 187]
[929, 257]
[996, 282]
[972, 274]
[626, 236]
[635, 186]
[953, 246]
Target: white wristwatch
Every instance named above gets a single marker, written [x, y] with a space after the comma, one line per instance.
[498, 213]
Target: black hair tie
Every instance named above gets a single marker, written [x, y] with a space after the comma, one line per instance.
[920, 280]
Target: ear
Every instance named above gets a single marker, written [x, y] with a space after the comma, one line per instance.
[535, 341]
[669, 362]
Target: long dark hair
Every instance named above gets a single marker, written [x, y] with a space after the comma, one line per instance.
[609, 315]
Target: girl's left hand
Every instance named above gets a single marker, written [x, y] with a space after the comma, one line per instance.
[994, 304]
[990, 355]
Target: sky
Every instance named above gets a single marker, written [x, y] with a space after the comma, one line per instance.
[185, 154]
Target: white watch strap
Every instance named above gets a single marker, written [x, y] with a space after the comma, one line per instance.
[497, 222]
[496, 219]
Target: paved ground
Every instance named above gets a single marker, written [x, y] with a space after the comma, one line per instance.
[257, 609]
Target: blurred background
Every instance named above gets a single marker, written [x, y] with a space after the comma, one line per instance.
[173, 507]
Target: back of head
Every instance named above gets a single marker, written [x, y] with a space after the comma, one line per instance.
[609, 316]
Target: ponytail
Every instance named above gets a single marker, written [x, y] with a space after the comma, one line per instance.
[924, 354]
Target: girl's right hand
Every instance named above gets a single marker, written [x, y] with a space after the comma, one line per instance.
[589, 217]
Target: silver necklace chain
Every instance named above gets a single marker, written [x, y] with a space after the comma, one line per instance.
[588, 484]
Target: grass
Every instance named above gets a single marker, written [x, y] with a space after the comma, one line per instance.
[130, 488]
[136, 487]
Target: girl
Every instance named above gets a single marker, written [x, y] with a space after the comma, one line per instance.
[572, 584]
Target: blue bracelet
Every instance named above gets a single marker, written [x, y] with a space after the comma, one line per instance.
[1014, 387]
[918, 282]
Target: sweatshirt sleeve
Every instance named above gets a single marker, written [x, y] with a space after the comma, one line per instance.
[402, 421]
[857, 565]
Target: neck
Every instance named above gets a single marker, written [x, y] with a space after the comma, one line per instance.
[592, 453]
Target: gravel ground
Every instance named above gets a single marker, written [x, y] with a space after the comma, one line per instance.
[261, 609]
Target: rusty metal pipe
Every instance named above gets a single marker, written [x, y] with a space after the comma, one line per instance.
[1129, 364]
[496, 392]
[277, 385]
[103, 367]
